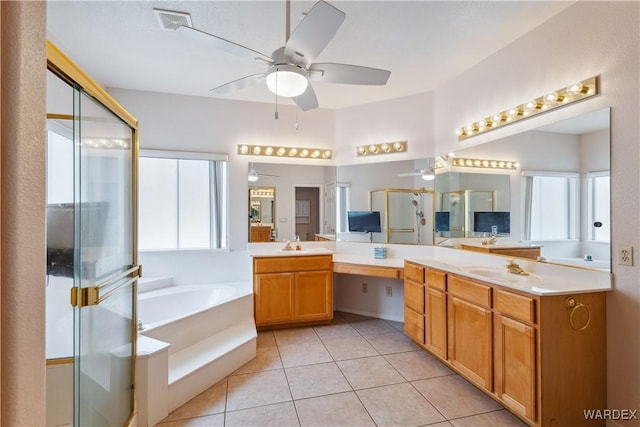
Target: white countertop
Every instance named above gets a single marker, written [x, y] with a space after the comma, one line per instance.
[543, 279]
[368, 260]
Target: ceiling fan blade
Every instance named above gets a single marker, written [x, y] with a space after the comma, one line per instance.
[238, 84]
[348, 74]
[313, 33]
[409, 174]
[307, 101]
[219, 43]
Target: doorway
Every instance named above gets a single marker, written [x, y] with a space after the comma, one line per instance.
[307, 212]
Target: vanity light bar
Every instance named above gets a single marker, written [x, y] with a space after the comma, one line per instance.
[383, 148]
[109, 143]
[485, 163]
[262, 192]
[552, 100]
[273, 151]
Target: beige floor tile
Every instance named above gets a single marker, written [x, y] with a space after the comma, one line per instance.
[216, 420]
[352, 317]
[398, 326]
[349, 348]
[372, 326]
[209, 402]
[394, 342]
[339, 329]
[295, 335]
[306, 353]
[369, 372]
[398, 405]
[418, 365]
[342, 409]
[266, 339]
[262, 388]
[267, 359]
[490, 419]
[441, 424]
[455, 397]
[316, 380]
[280, 414]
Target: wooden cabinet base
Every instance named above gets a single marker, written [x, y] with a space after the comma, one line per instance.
[543, 359]
[292, 291]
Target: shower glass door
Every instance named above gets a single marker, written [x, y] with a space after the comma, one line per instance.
[105, 273]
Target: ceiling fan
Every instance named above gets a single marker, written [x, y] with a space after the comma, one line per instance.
[290, 68]
[253, 175]
[426, 174]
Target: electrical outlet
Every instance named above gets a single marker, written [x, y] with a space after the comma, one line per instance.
[388, 291]
[365, 288]
[625, 255]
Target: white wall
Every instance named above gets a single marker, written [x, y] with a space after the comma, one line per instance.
[587, 39]
[176, 122]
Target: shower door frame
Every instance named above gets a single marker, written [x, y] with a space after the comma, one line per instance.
[63, 67]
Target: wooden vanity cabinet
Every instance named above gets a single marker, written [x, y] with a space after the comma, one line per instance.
[414, 293]
[292, 290]
[515, 352]
[541, 357]
[469, 323]
[436, 312]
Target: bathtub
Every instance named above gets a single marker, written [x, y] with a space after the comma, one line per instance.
[199, 334]
[166, 305]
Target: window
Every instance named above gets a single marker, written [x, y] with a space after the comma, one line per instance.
[598, 196]
[551, 205]
[182, 200]
[342, 206]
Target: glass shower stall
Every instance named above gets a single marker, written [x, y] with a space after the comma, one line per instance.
[92, 266]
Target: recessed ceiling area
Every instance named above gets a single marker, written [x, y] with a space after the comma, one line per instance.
[423, 43]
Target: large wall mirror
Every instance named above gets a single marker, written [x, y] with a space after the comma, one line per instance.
[288, 201]
[557, 199]
[400, 191]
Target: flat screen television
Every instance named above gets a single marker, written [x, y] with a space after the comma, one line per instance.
[442, 221]
[364, 221]
[484, 221]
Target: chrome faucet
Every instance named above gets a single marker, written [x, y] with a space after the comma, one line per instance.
[514, 268]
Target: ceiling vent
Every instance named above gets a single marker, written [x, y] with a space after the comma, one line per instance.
[172, 20]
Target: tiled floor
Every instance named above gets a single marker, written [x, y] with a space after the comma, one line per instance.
[358, 371]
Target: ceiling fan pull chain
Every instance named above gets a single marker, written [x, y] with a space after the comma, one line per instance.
[276, 93]
[297, 127]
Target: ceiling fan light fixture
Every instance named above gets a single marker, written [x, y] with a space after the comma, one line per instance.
[253, 176]
[428, 176]
[287, 80]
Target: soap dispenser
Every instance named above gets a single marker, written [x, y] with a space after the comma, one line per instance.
[298, 247]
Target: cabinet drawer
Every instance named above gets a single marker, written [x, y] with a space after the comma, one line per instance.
[414, 325]
[414, 272]
[436, 279]
[414, 295]
[470, 291]
[516, 306]
[291, 263]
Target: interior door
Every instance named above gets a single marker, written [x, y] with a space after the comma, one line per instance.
[105, 270]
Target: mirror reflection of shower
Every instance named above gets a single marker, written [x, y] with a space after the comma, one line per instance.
[418, 204]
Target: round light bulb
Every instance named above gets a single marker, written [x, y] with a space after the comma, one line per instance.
[243, 149]
[287, 80]
[281, 151]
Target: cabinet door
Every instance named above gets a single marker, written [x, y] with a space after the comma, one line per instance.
[414, 325]
[273, 298]
[414, 295]
[436, 322]
[313, 295]
[470, 339]
[515, 364]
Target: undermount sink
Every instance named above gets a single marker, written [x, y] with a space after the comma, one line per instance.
[499, 274]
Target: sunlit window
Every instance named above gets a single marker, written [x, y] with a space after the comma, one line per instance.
[182, 201]
[598, 196]
[551, 206]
